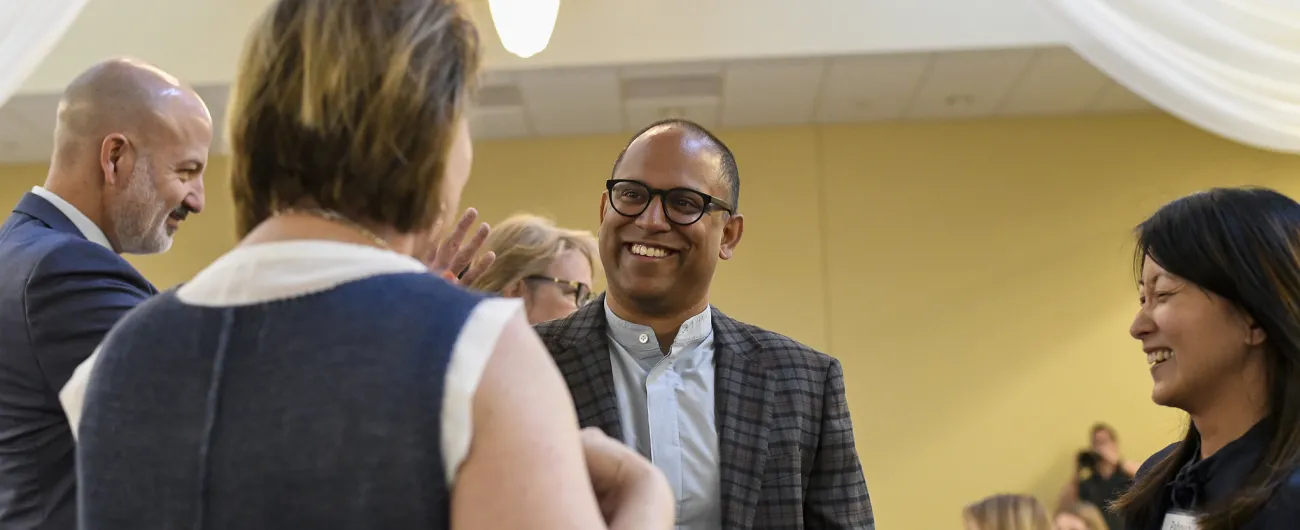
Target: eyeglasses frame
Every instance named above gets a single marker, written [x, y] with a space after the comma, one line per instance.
[578, 287]
[711, 203]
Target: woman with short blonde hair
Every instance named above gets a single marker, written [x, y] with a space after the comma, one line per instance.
[1007, 512]
[318, 375]
[549, 267]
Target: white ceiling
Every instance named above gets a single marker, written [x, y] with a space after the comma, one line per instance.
[558, 102]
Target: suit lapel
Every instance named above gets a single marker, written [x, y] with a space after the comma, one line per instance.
[584, 361]
[46, 212]
[743, 417]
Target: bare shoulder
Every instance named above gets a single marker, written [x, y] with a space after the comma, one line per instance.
[525, 451]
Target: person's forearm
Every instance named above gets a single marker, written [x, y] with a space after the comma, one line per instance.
[648, 506]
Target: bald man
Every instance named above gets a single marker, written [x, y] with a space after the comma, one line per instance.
[131, 144]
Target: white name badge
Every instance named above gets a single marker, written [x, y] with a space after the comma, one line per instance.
[1179, 520]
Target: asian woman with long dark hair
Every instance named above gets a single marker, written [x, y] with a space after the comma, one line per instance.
[1220, 325]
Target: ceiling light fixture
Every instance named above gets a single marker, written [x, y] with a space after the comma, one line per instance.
[524, 26]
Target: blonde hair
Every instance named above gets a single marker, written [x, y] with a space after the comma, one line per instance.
[352, 105]
[526, 245]
[1090, 514]
[1009, 512]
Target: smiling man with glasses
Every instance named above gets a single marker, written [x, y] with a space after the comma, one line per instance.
[751, 428]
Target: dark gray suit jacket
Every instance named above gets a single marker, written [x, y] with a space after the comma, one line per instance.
[787, 453]
[59, 295]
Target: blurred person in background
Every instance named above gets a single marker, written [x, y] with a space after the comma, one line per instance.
[1007, 512]
[549, 267]
[1219, 320]
[318, 375]
[1101, 474]
[1080, 516]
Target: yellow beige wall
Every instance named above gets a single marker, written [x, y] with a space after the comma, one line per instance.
[974, 278]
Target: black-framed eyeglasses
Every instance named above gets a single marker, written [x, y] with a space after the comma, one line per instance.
[580, 292]
[682, 206]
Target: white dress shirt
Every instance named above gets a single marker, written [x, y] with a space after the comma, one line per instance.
[88, 228]
[667, 407]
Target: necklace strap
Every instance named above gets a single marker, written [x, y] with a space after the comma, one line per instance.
[334, 216]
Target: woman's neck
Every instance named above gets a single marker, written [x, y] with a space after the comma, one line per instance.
[300, 226]
[1233, 412]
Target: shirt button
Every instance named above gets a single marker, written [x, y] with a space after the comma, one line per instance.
[643, 338]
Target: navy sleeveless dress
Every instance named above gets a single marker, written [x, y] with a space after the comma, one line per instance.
[302, 385]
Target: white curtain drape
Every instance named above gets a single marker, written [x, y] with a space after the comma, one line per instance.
[1229, 66]
[29, 29]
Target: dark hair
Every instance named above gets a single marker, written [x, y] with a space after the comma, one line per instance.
[352, 105]
[730, 172]
[1242, 244]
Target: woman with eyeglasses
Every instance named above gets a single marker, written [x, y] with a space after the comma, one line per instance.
[318, 376]
[1219, 320]
[549, 267]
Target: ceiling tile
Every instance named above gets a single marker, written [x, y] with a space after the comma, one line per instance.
[775, 92]
[40, 145]
[706, 86]
[14, 157]
[220, 134]
[499, 123]
[871, 88]
[638, 115]
[577, 101]
[1057, 81]
[16, 144]
[497, 77]
[489, 96]
[670, 70]
[215, 96]
[27, 122]
[689, 91]
[1116, 98]
[968, 84]
[747, 93]
[13, 128]
[39, 110]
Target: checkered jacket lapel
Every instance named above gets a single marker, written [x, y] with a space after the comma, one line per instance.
[581, 351]
[743, 384]
[743, 417]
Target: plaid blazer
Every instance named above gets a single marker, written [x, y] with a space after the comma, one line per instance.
[788, 459]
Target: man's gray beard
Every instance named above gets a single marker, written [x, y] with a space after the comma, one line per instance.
[138, 230]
